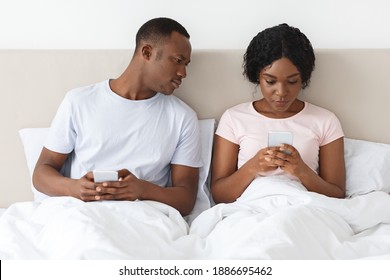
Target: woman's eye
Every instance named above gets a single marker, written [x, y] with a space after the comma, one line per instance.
[292, 82]
[270, 82]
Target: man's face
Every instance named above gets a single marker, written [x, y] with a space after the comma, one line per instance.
[167, 66]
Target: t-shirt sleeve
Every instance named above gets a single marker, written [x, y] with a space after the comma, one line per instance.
[62, 134]
[225, 128]
[188, 150]
[332, 130]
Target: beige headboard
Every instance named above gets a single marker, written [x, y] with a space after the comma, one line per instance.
[352, 83]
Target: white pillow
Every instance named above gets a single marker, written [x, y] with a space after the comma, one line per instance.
[203, 200]
[367, 166]
[34, 138]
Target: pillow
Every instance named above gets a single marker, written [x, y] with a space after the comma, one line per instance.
[34, 138]
[367, 166]
[203, 200]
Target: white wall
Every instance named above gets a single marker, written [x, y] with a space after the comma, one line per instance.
[212, 24]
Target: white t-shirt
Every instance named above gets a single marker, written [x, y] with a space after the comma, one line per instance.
[312, 128]
[109, 132]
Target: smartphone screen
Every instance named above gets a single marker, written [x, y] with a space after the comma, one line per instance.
[104, 176]
[275, 138]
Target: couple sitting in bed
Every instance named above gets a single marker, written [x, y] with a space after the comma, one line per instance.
[134, 125]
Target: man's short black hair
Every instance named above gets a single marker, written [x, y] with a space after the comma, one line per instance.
[157, 30]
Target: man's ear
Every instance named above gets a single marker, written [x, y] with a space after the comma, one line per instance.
[146, 52]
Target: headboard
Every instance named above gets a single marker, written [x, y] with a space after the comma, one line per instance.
[352, 83]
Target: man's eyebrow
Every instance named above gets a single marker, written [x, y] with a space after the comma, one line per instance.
[182, 57]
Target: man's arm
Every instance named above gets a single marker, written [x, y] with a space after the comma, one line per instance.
[180, 195]
[48, 179]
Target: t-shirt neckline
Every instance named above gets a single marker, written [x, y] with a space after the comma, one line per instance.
[252, 108]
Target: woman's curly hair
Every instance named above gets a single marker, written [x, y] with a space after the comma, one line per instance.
[274, 43]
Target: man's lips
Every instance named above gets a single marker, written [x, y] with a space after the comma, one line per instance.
[176, 83]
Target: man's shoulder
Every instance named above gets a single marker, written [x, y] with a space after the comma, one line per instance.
[174, 99]
[84, 91]
[178, 104]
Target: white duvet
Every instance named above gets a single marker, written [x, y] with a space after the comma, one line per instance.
[274, 219]
[67, 228]
[278, 219]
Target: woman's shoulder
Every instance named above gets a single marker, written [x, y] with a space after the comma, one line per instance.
[242, 107]
[320, 115]
[317, 110]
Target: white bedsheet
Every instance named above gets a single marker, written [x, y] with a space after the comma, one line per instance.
[274, 219]
[2, 210]
[278, 219]
[67, 228]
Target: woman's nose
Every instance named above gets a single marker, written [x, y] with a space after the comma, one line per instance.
[281, 90]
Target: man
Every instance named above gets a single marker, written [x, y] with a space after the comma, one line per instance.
[132, 124]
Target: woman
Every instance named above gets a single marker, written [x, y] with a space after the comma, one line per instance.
[280, 60]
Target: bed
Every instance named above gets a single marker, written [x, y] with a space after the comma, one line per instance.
[274, 219]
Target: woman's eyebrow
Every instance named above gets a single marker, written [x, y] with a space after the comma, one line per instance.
[290, 76]
[294, 75]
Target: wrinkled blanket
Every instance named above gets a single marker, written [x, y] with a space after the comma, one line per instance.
[68, 228]
[277, 218]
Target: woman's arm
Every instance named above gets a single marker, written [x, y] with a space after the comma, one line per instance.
[228, 183]
[331, 170]
[331, 178]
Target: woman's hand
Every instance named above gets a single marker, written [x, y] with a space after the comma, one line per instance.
[287, 158]
[264, 161]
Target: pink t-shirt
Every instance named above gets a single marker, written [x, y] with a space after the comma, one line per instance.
[312, 128]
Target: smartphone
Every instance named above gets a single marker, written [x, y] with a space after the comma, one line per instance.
[275, 138]
[105, 176]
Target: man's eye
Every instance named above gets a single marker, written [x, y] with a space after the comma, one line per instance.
[178, 60]
[292, 82]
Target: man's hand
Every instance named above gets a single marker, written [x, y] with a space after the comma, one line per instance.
[84, 188]
[128, 187]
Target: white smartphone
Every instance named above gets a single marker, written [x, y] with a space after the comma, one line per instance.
[100, 176]
[275, 138]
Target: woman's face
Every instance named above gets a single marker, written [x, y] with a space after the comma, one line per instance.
[280, 84]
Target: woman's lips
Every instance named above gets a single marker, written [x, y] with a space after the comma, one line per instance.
[281, 103]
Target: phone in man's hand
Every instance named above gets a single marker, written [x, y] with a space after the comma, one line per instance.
[100, 176]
